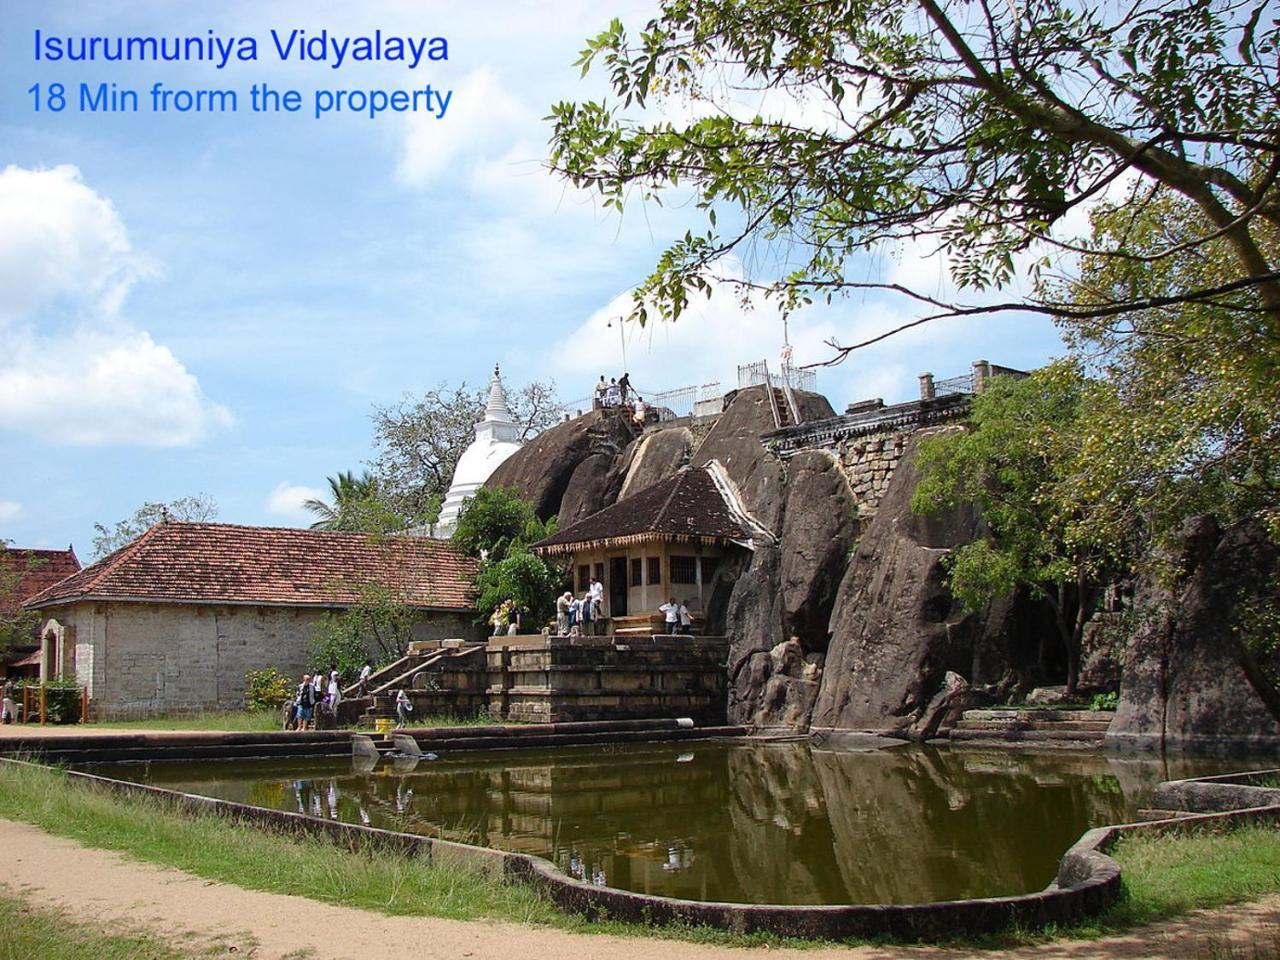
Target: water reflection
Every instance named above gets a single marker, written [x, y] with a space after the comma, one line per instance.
[781, 823]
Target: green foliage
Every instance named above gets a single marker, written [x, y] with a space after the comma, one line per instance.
[1189, 420]
[357, 505]
[971, 128]
[523, 580]
[267, 689]
[1104, 701]
[17, 626]
[498, 526]
[495, 522]
[62, 699]
[34, 929]
[1015, 464]
[378, 627]
[196, 509]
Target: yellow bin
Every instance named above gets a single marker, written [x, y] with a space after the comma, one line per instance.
[382, 725]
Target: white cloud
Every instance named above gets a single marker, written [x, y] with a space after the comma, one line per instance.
[71, 369]
[102, 386]
[10, 510]
[61, 241]
[287, 500]
[481, 113]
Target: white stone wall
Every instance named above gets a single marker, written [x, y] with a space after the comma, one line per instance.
[141, 659]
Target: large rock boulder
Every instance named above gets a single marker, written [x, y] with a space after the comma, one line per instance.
[896, 630]
[1184, 684]
[654, 457]
[543, 470]
[592, 486]
[735, 442]
[819, 527]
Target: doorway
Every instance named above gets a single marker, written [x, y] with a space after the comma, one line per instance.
[617, 586]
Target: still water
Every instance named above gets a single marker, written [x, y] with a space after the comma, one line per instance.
[762, 823]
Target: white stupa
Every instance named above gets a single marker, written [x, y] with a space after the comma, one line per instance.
[497, 437]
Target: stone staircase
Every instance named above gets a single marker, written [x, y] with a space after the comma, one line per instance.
[1050, 729]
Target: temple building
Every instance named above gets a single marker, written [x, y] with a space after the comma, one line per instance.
[665, 541]
[497, 438]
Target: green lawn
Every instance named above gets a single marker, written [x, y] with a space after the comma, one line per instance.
[246, 721]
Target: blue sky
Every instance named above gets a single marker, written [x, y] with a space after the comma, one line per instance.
[214, 303]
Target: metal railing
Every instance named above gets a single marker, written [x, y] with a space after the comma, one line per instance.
[953, 385]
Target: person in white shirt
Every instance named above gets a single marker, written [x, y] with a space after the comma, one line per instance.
[365, 672]
[671, 610]
[640, 411]
[404, 706]
[335, 693]
[597, 602]
[686, 621]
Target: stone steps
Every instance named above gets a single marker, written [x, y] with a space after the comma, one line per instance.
[1059, 729]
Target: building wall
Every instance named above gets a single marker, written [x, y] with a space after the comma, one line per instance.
[142, 659]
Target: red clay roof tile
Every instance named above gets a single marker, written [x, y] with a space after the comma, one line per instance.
[271, 566]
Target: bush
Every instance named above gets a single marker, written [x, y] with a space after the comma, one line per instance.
[266, 689]
[61, 700]
[1104, 701]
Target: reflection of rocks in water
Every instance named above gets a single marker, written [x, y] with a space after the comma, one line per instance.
[781, 836]
[957, 824]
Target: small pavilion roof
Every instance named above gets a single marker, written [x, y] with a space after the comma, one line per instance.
[697, 505]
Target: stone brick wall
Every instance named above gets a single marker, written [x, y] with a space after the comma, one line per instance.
[868, 464]
[143, 659]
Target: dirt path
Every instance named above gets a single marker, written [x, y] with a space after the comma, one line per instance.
[102, 885]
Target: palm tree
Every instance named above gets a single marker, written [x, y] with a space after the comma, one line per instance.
[349, 493]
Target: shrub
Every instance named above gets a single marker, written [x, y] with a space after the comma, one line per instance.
[266, 689]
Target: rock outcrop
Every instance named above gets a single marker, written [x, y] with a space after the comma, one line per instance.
[1184, 684]
[543, 469]
[896, 630]
[654, 457]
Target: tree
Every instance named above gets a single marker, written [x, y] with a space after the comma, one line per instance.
[17, 626]
[379, 626]
[196, 509]
[357, 505]
[418, 441]
[1014, 464]
[497, 526]
[972, 127]
[495, 521]
[1191, 424]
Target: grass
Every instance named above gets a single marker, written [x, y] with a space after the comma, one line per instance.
[1164, 876]
[50, 934]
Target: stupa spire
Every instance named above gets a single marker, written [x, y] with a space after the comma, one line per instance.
[496, 408]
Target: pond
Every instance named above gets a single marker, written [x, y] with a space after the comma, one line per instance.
[728, 821]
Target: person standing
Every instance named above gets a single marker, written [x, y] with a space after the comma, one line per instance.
[335, 694]
[686, 621]
[365, 672]
[575, 615]
[612, 396]
[585, 618]
[562, 610]
[602, 389]
[404, 706]
[641, 411]
[597, 603]
[671, 611]
[624, 387]
[306, 697]
[8, 711]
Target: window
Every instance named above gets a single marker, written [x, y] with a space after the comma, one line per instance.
[600, 572]
[584, 577]
[709, 565]
[684, 569]
[637, 572]
[655, 570]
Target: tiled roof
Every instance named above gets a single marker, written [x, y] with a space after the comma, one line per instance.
[687, 507]
[37, 570]
[271, 566]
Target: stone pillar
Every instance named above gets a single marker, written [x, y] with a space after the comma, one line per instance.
[981, 374]
[926, 386]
